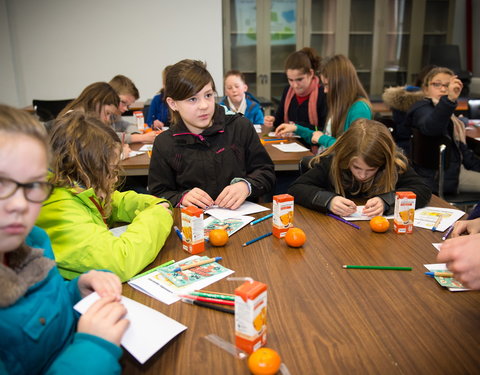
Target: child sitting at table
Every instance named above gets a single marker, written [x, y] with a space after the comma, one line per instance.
[128, 94]
[84, 204]
[238, 100]
[158, 114]
[41, 333]
[364, 163]
[347, 101]
[206, 157]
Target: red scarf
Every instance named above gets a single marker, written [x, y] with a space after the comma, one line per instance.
[312, 93]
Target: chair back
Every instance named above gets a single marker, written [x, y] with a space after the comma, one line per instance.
[304, 166]
[474, 108]
[424, 150]
[47, 110]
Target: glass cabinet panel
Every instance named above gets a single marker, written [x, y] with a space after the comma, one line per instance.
[283, 31]
[361, 38]
[323, 27]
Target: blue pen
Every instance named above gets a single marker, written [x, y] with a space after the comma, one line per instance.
[179, 233]
[196, 264]
[273, 139]
[257, 239]
[261, 219]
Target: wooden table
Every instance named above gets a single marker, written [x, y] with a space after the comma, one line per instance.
[323, 319]
[283, 161]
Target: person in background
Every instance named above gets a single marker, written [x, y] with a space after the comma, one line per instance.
[364, 163]
[41, 333]
[158, 115]
[238, 100]
[303, 101]
[128, 94]
[434, 118]
[85, 205]
[347, 101]
[400, 99]
[207, 156]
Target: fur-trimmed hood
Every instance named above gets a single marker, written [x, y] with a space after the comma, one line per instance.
[400, 99]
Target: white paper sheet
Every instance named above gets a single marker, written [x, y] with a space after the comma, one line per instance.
[258, 128]
[145, 148]
[358, 215]
[149, 330]
[290, 147]
[442, 267]
[426, 217]
[246, 208]
[118, 231]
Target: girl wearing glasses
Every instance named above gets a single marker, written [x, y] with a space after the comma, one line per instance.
[85, 204]
[436, 123]
[206, 157]
[36, 315]
[347, 101]
[364, 163]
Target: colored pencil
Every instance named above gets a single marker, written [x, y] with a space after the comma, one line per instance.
[257, 239]
[209, 291]
[439, 274]
[377, 267]
[209, 306]
[213, 295]
[261, 219]
[196, 264]
[209, 300]
[437, 223]
[153, 269]
[449, 231]
[343, 220]
[179, 233]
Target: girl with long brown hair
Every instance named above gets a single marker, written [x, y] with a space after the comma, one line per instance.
[364, 163]
[84, 204]
[347, 101]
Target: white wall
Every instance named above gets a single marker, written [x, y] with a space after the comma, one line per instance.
[52, 49]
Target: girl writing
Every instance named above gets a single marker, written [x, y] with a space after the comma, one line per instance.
[36, 315]
[85, 204]
[364, 163]
[206, 157]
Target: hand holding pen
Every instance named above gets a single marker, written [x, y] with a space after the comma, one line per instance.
[342, 206]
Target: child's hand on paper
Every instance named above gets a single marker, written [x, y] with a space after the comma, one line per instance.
[342, 206]
[466, 227]
[374, 207]
[233, 196]
[462, 257]
[105, 319]
[197, 197]
[285, 130]
[104, 283]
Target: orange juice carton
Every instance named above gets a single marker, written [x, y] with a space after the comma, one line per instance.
[404, 212]
[192, 230]
[251, 316]
[139, 119]
[282, 214]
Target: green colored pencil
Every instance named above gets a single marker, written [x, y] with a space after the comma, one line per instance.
[153, 269]
[213, 295]
[378, 268]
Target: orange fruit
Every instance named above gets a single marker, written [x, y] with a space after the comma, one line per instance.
[295, 237]
[264, 361]
[218, 237]
[379, 224]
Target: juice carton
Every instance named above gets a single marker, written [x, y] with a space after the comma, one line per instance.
[404, 212]
[192, 230]
[282, 214]
[251, 316]
[139, 119]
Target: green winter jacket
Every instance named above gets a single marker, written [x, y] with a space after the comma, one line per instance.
[82, 241]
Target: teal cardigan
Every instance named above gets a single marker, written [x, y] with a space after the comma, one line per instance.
[359, 109]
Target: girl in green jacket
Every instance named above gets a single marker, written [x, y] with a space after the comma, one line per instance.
[85, 205]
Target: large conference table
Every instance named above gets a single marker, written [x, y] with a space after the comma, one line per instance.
[323, 319]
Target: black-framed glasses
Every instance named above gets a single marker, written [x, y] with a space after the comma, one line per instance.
[36, 191]
[438, 85]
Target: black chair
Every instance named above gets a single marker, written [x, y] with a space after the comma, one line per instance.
[303, 165]
[448, 55]
[474, 108]
[47, 110]
[431, 152]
